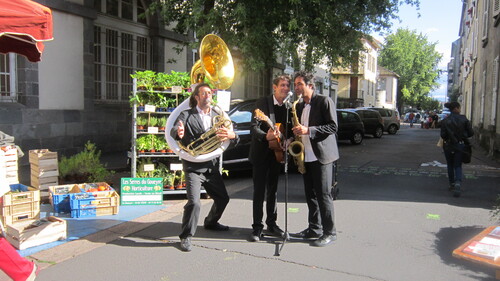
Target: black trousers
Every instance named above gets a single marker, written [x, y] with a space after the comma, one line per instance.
[318, 183]
[265, 186]
[214, 185]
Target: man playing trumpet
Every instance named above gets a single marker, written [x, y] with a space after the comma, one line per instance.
[190, 125]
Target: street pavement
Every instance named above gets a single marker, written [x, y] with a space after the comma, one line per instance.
[395, 218]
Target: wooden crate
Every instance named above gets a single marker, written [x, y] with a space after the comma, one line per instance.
[94, 212]
[44, 183]
[34, 233]
[21, 194]
[42, 157]
[44, 171]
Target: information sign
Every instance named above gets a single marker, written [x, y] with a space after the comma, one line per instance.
[141, 191]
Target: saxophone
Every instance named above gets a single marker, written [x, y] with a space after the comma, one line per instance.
[296, 148]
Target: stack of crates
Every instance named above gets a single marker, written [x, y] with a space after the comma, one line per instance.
[44, 168]
[8, 165]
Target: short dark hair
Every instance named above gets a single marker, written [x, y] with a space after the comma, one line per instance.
[196, 91]
[307, 76]
[452, 105]
[280, 77]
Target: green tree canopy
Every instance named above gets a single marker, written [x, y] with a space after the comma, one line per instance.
[307, 31]
[415, 60]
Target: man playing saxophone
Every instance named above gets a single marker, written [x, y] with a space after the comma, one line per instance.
[317, 128]
[265, 166]
[190, 125]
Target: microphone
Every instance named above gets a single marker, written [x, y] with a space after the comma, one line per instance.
[288, 97]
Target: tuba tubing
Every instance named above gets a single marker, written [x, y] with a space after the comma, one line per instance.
[181, 152]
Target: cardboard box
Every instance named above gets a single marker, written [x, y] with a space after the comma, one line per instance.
[36, 232]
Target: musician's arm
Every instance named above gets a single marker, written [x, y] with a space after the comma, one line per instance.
[256, 128]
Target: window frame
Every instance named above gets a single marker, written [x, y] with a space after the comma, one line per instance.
[12, 73]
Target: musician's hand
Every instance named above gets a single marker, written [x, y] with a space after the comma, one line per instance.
[271, 135]
[300, 130]
[180, 130]
[225, 134]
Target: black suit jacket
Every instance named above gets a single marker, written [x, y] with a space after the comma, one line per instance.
[322, 127]
[259, 148]
[193, 129]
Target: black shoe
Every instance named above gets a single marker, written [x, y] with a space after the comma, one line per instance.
[306, 234]
[255, 235]
[275, 231]
[451, 187]
[324, 240]
[216, 227]
[186, 244]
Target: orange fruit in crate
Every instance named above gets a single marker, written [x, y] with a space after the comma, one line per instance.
[102, 188]
[92, 190]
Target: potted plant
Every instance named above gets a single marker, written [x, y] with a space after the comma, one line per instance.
[178, 181]
[169, 150]
[168, 181]
[162, 81]
[141, 121]
[139, 99]
[162, 122]
[145, 79]
[153, 121]
[160, 144]
[141, 144]
[149, 143]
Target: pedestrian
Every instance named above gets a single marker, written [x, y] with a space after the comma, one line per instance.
[317, 128]
[434, 120]
[455, 131]
[15, 266]
[190, 125]
[266, 153]
[410, 117]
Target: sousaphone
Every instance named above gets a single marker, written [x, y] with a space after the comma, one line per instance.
[216, 65]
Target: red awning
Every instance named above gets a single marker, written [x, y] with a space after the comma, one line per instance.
[24, 25]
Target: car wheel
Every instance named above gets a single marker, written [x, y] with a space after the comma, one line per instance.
[392, 129]
[357, 138]
[378, 132]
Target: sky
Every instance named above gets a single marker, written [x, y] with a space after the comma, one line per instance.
[440, 21]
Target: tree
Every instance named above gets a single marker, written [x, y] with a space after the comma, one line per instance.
[415, 60]
[306, 31]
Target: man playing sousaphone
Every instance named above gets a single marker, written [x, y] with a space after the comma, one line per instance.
[189, 126]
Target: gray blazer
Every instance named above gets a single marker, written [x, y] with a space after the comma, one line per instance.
[323, 127]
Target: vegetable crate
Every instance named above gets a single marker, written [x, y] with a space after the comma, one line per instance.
[44, 168]
[36, 232]
[8, 164]
[21, 204]
[95, 203]
[59, 196]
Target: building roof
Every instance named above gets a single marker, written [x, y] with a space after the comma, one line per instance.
[382, 71]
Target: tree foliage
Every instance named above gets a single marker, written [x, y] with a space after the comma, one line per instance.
[415, 60]
[307, 31]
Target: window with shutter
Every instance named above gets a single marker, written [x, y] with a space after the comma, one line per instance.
[496, 8]
[485, 23]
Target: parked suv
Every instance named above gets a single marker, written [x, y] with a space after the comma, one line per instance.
[374, 125]
[391, 118]
[350, 126]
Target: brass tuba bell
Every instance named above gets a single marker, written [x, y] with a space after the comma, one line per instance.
[215, 63]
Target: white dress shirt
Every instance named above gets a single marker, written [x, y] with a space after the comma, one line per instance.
[206, 119]
[306, 141]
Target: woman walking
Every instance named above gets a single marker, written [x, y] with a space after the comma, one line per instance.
[455, 131]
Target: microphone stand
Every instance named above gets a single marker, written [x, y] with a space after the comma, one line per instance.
[286, 235]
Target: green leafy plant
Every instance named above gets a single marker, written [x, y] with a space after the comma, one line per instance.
[84, 166]
[153, 121]
[162, 122]
[163, 80]
[141, 143]
[145, 79]
[140, 99]
[141, 120]
[160, 143]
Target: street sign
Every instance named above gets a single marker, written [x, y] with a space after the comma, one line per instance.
[141, 191]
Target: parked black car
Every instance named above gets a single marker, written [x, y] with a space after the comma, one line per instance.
[390, 117]
[240, 113]
[350, 126]
[374, 125]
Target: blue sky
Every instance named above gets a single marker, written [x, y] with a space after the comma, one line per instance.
[439, 20]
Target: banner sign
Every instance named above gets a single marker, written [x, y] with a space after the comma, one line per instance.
[141, 191]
